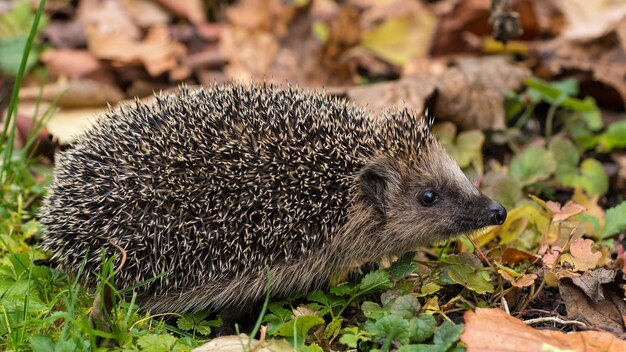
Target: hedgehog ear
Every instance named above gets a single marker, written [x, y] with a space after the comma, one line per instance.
[375, 180]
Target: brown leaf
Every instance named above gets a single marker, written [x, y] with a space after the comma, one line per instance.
[193, 10]
[581, 255]
[591, 19]
[514, 256]
[521, 281]
[66, 34]
[157, 52]
[70, 63]
[591, 282]
[471, 94]
[599, 304]
[107, 17]
[594, 42]
[494, 330]
[75, 93]
[146, 13]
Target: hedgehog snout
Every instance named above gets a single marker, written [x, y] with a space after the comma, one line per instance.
[497, 213]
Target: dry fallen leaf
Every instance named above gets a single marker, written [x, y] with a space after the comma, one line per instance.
[494, 330]
[471, 94]
[591, 19]
[550, 257]
[521, 281]
[237, 344]
[581, 255]
[404, 31]
[74, 93]
[515, 255]
[193, 10]
[593, 42]
[146, 13]
[72, 63]
[157, 52]
[595, 299]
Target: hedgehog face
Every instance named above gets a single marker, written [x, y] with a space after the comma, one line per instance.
[426, 202]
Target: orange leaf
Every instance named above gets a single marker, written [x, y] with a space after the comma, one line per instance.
[494, 330]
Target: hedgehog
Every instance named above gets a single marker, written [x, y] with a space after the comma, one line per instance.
[209, 190]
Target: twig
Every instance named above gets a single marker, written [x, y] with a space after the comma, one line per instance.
[505, 305]
[554, 320]
[479, 252]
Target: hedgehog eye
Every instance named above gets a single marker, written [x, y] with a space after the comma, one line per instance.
[429, 198]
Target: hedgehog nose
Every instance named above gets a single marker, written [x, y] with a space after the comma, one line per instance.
[497, 213]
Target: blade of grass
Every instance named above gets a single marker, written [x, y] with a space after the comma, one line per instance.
[8, 131]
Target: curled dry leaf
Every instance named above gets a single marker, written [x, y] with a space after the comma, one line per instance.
[494, 330]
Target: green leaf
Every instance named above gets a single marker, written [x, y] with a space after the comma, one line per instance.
[421, 348]
[614, 137]
[403, 266]
[447, 334]
[534, 164]
[565, 152]
[300, 326]
[392, 327]
[591, 178]
[502, 187]
[372, 310]
[332, 329]
[329, 301]
[429, 288]
[464, 147]
[477, 281]
[422, 328]
[375, 281]
[314, 347]
[41, 344]
[278, 316]
[593, 220]
[615, 220]
[352, 335]
[343, 289]
[156, 343]
[405, 306]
